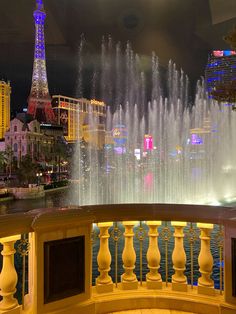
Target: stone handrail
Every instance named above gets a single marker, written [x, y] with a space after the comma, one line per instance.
[16, 223]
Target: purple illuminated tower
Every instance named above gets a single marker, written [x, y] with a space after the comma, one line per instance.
[39, 101]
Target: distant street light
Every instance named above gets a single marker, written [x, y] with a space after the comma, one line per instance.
[38, 175]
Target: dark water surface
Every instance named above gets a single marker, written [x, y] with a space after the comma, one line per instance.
[52, 199]
[59, 198]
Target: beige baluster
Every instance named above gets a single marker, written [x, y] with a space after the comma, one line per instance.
[8, 276]
[205, 261]
[179, 280]
[129, 279]
[104, 282]
[153, 278]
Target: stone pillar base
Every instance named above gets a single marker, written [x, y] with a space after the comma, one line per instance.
[153, 284]
[182, 287]
[126, 285]
[16, 310]
[206, 290]
[104, 288]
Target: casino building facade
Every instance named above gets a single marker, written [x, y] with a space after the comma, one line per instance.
[5, 92]
[220, 75]
[80, 118]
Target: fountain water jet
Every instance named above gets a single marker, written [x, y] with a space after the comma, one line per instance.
[193, 160]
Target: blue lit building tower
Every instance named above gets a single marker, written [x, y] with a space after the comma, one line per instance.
[220, 76]
[39, 101]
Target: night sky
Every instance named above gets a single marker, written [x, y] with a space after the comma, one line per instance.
[182, 30]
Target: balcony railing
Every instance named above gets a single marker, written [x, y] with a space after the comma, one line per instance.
[107, 258]
[161, 250]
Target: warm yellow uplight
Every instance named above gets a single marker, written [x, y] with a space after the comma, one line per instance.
[105, 224]
[130, 223]
[178, 223]
[204, 225]
[153, 223]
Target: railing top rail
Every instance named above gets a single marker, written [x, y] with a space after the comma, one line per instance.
[19, 223]
[165, 212]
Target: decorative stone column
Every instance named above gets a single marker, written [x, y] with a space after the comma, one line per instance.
[153, 278]
[8, 276]
[129, 279]
[205, 261]
[103, 281]
[179, 280]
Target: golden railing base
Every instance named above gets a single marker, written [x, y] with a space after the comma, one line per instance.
[206, 290]
[154, 284]
[165, 298]
[183, 287]
[133, 285]
[16, 310]
[104, 288]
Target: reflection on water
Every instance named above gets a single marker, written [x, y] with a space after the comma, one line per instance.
[52, 199]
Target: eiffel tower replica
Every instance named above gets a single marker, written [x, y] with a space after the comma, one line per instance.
[39, 101]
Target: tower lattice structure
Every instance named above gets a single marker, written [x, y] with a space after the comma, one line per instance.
[39, 101]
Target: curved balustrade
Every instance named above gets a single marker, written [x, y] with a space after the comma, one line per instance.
[154, 251]
[144, 256]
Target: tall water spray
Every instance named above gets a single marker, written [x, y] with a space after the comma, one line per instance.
[193, 158]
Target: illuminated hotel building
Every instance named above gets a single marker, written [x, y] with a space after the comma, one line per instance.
[220, 73]
[5, 92]
[74, 114]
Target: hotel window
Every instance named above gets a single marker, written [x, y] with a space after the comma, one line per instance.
[15, 128]
[15, 147]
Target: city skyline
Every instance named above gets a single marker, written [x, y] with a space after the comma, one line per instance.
[167, 35]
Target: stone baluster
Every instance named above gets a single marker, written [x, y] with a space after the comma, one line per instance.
[153, 278]
[103, 281]
[179, 280]
[205, 261]
[129, 279]
[8, 276]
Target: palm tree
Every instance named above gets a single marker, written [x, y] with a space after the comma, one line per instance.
[8, 154]
[60, 154]
[27, 170]
[3, 161]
